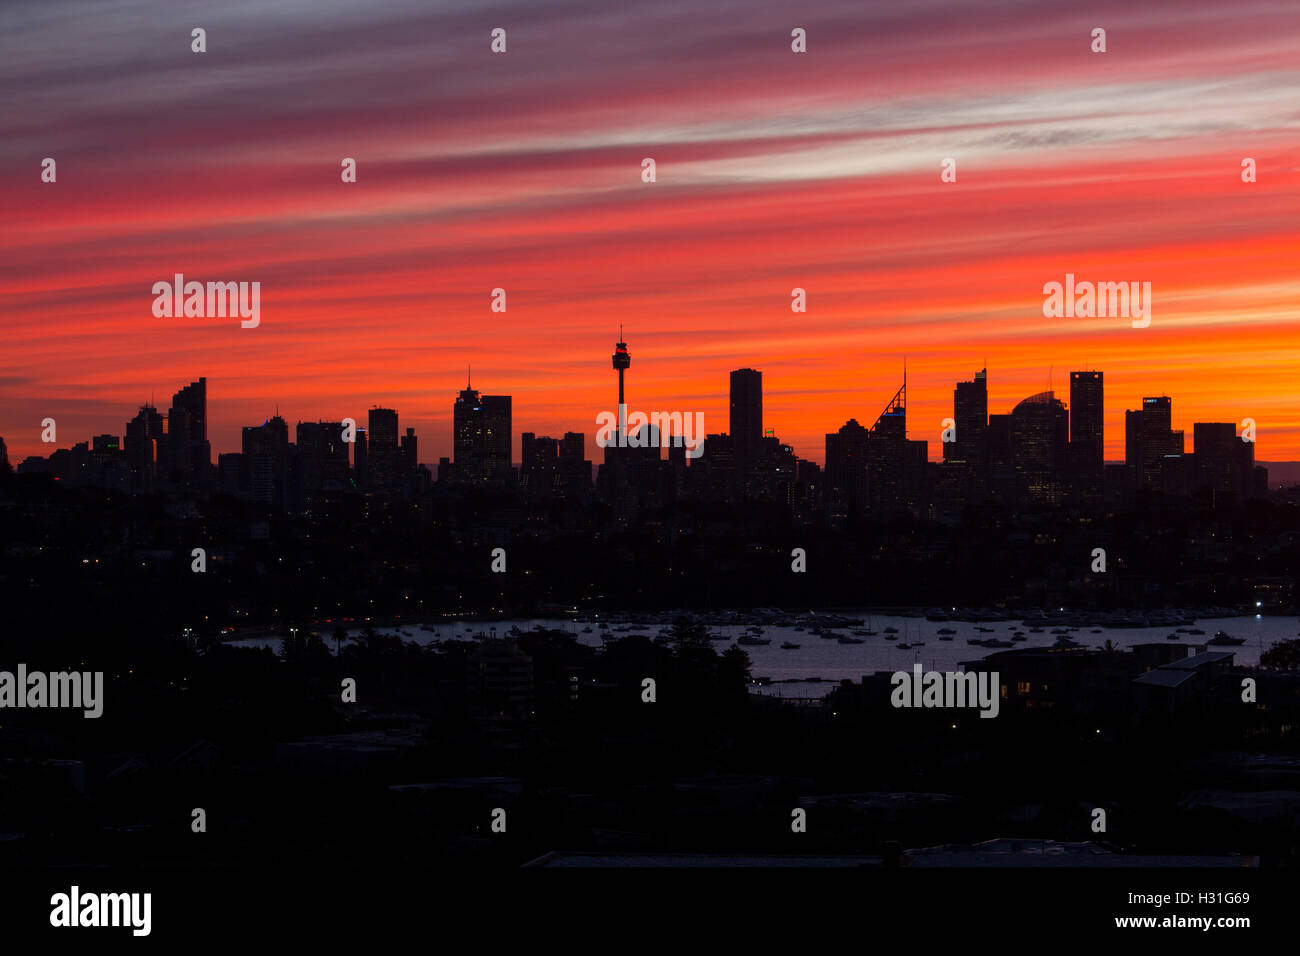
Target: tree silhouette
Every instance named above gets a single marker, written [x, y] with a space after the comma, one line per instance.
[1282, 656]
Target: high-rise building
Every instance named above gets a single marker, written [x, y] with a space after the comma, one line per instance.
[1133, 445]
[747, 415]
[677, 463]
[188, 452]
[780, 479]
[539, 463]
[1001, 459]
[808, 475]
[1087, 417]
[322, 457]
[1040, 440]
[266, 457]
[360, 465]
[105, 465]
[1215, 439]
[846, 471]
[481, 436]
[144, 435]
[1157, 415]
[890, 458]
[575, 467]
[383, 455]
[232, 473]
[410, 451]
[714, 473]
[1223, 463]
[970, 412]
[1149, 441]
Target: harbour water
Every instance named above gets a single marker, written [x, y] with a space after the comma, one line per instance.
[787, 671]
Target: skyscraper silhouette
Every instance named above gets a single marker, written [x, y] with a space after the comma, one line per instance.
[846, 472]
[383, 456]
[970, 412]
[1040, 439]
[481, 436]
[144, 435]
[539, 460]
[188, 452]
[266, 458]
[322, 458]
[747, 416]
[1149, 441]
[1087, 424]
[890, 457]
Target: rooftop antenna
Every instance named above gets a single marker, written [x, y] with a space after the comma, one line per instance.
[468, 377]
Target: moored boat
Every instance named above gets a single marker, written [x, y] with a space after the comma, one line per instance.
[1224, 639]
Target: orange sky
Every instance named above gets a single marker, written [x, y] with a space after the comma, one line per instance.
[774, 170]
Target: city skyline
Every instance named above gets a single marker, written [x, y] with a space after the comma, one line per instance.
[727, 438]
[931, 401]
[964, 407]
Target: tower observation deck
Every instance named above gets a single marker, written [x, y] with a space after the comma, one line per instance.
[621, 360]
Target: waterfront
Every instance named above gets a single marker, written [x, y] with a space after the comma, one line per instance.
[788, 671]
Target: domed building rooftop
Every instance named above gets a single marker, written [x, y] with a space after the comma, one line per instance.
[1042, 398]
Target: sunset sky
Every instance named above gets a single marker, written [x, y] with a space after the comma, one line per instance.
[522, 170]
